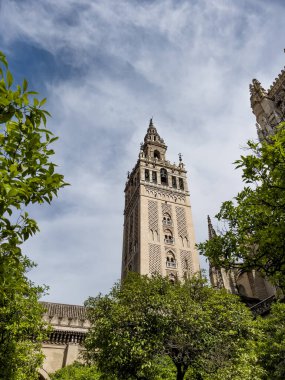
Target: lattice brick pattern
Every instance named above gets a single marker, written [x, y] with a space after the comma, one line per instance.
[126, 236]
[136, 222]
[131, 227]
[186, 261]
[154, 258]
[153, 215]
[166, 207]
[181, 222]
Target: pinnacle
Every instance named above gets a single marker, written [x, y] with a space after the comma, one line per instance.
[211, 230]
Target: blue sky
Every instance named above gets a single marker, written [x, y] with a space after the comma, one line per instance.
[106, 67]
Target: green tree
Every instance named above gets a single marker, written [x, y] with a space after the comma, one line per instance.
[76, 371]
[272, 346]
[27, 176]
[144, 320]
[253, 233]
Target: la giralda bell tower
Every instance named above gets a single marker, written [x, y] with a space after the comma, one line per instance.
[158, 228]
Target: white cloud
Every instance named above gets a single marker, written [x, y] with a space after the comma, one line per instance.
[186, 63]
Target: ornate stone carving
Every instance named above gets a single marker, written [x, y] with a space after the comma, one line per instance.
[164, 194]
[181, 222]
[154, 259]
[186, 261]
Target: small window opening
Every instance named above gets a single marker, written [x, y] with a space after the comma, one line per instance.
[170, 260]
[172, 278]
[163, 177]
[181, 183]
[168, 238]
[156, 154]
[154, 177]
[146, 174]
[167, 220]
[174, 182]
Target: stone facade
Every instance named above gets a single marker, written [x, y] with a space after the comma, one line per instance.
[70, 324]
[268, 106]
[158, 238]
[250, 286]
[158, 228]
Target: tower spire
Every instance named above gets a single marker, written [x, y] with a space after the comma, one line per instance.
[153, 146]
[211, 231]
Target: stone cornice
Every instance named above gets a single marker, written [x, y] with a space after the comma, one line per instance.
[162, 164]
[65, 337]
[275, 87]
[169, 192]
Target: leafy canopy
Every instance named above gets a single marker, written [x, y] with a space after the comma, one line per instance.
[76, 371]
[143, 320]
[253, 235]
[27, 176]
[272, 346]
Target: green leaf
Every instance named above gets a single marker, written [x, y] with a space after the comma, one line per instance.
[9, 79]
[43, 101]
[25, 85]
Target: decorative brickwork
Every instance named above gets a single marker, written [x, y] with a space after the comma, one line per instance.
[172, 195]
[186, 261]
[154, 259]
[153, 215]
[65, 337]
[181, 222]
[166, 207]
[126, 243]
[136, 223]
[136, 238]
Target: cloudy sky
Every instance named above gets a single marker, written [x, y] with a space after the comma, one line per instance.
[106, 67]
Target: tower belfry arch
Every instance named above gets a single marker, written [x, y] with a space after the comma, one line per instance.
[158, 227]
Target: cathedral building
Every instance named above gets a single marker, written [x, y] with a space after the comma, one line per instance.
[158, 227]
[250, 286]
[268, 106]
[159, 234]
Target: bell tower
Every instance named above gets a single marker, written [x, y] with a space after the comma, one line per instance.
[158, 228]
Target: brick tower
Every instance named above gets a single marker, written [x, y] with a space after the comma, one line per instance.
[158, 228]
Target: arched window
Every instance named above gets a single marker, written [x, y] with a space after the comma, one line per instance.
[170, 260]
[167, 219]
[156, 154]
[172, 278]
[163, 176]
[154, 177]
[174, 182]
[168, 238]
[181, 184]
[146, 174]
